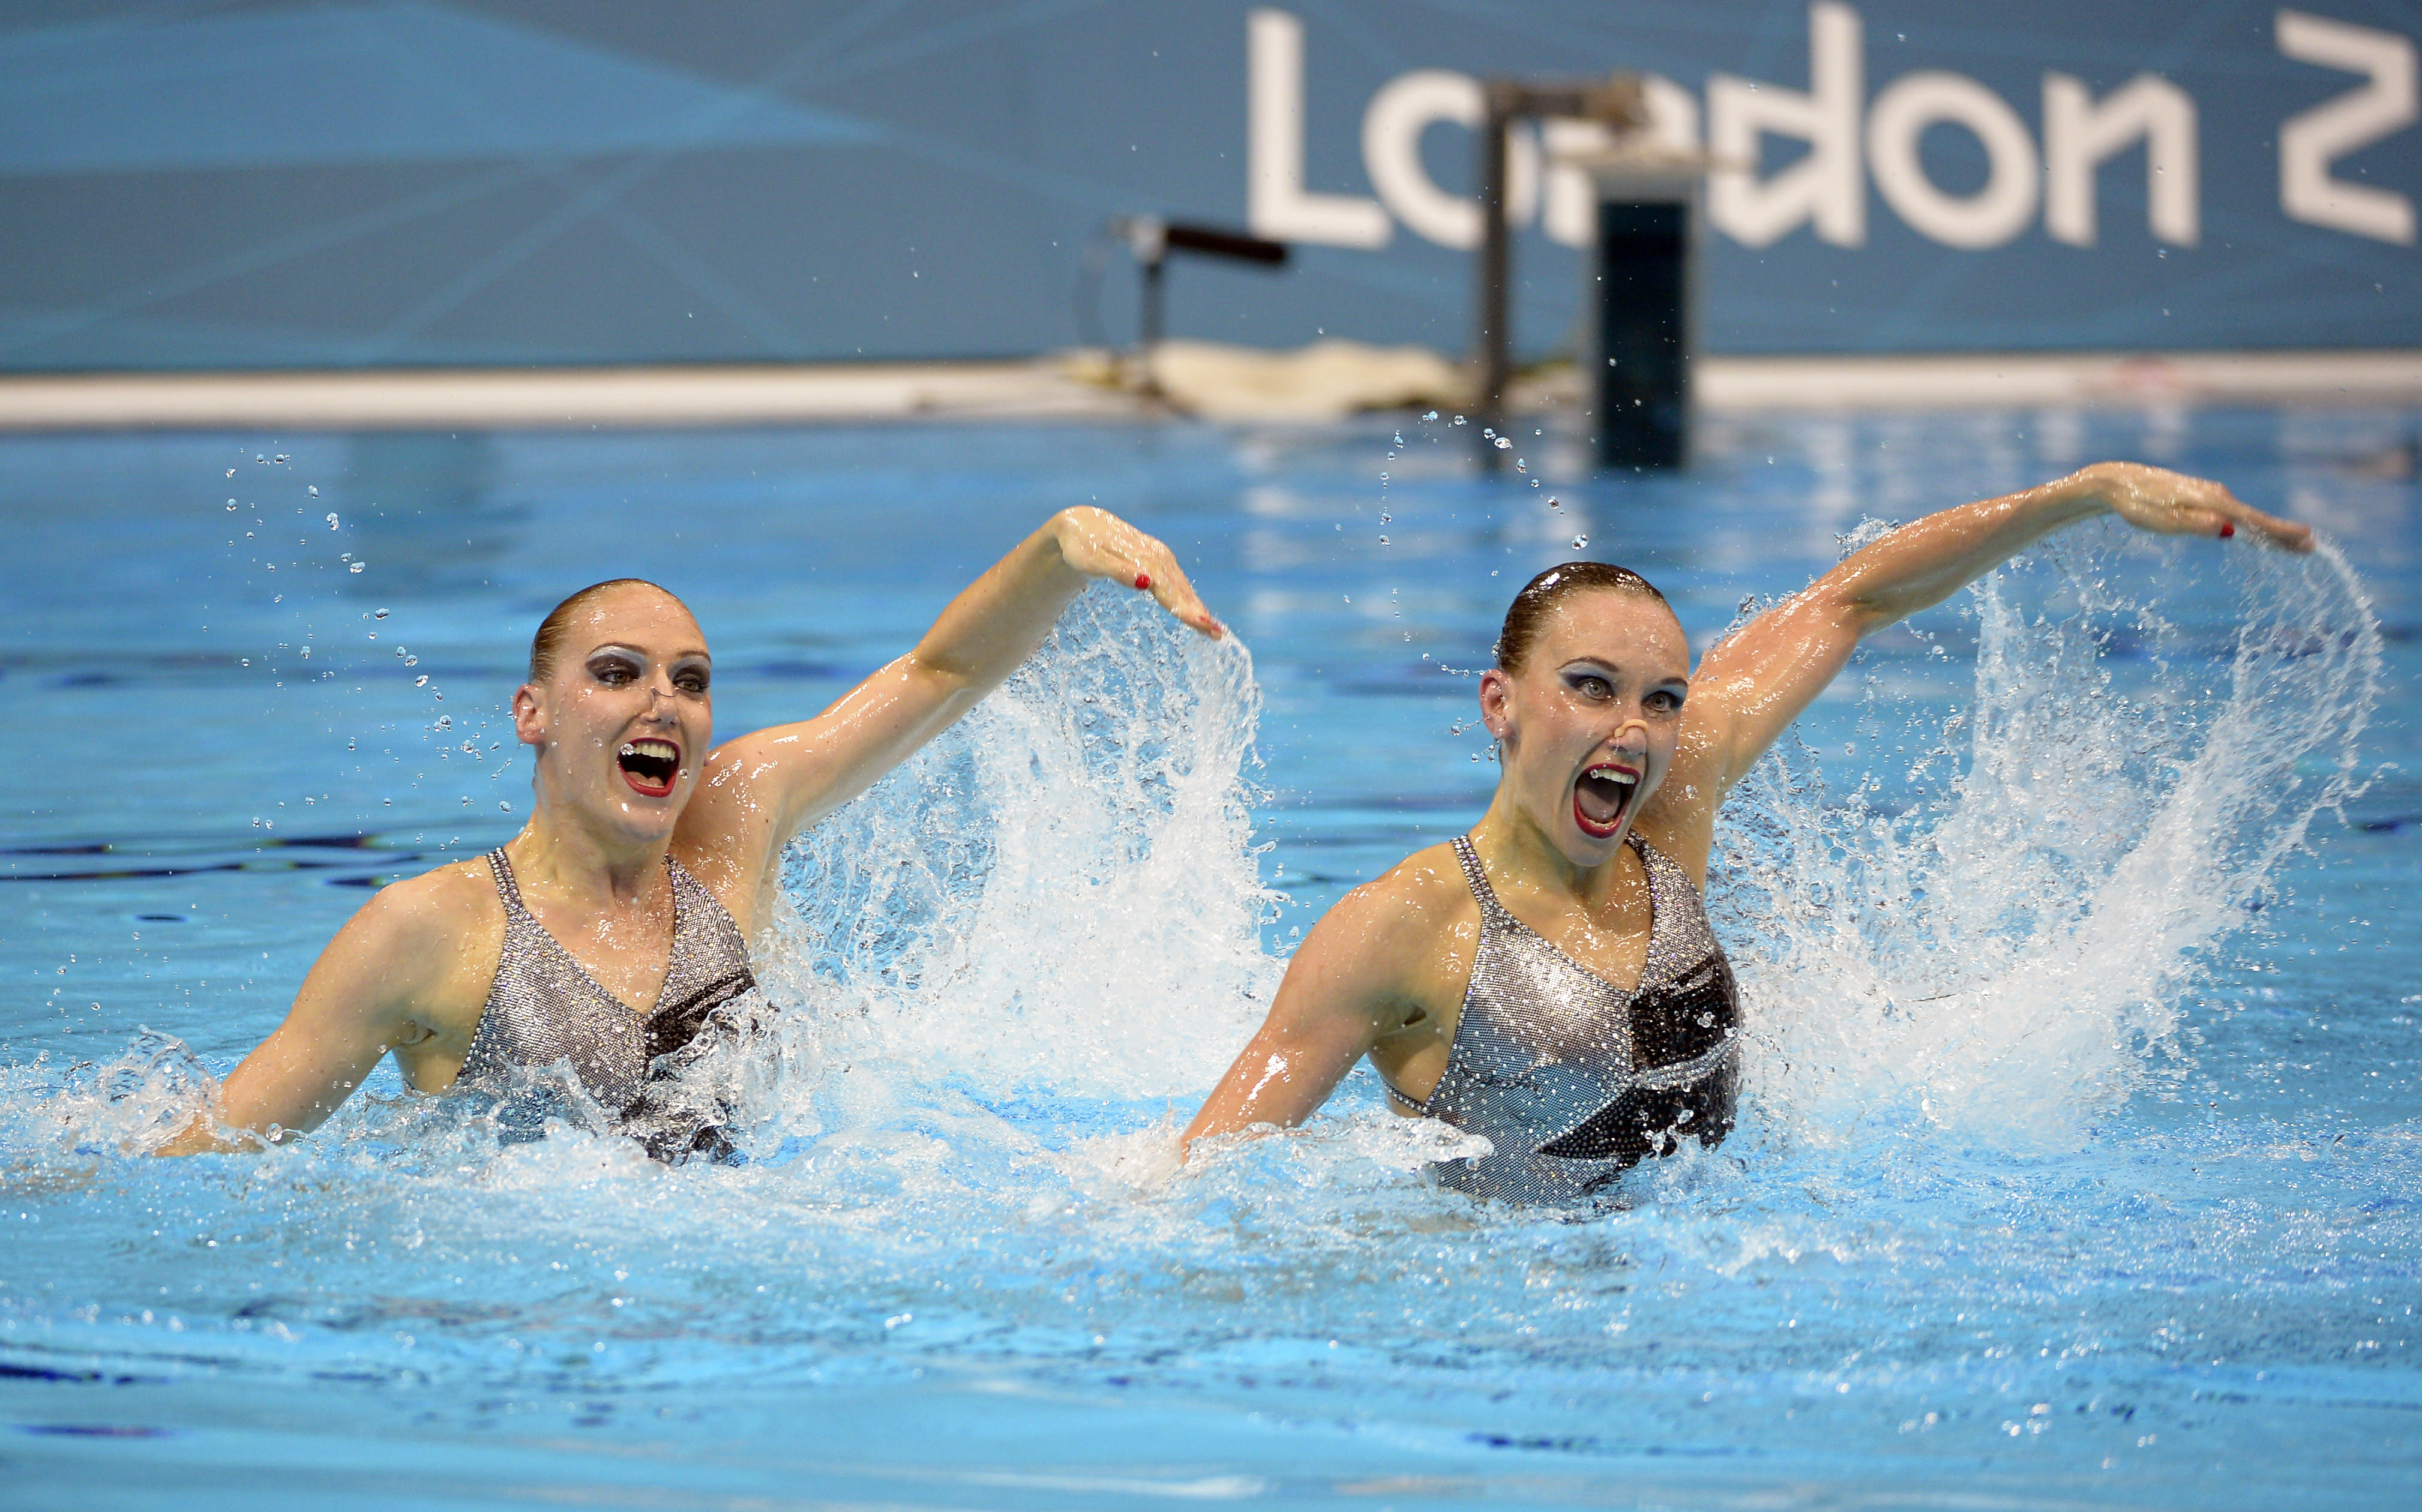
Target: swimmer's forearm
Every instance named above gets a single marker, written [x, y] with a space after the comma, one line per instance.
[999, 619]
[1924, 563]
[1920, 565]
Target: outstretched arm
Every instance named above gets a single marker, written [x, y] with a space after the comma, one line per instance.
[355, 1004]
[1750, 685]
[762, 789]
[1331, 1008]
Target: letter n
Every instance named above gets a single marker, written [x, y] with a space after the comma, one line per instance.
[2080, 133]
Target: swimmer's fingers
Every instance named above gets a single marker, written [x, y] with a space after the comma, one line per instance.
[1100, 544]
[2169, 503]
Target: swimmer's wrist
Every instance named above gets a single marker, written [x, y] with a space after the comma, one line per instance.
[2083, 493]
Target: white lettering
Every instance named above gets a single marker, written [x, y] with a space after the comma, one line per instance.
[2079, 134]
[2310, 140]
[1825, 186]
[1993, 214]
[1276, 203]
[1391, 153]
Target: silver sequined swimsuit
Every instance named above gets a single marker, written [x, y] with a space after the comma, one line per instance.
[1571, 1078]
[546, 1009]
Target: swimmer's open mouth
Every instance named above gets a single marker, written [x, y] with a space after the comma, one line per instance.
[650, 766]
[1601, 797]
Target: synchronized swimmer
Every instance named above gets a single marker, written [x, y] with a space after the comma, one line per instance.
[1485, 979]
[612, 933]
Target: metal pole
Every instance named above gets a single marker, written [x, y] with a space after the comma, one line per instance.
[1495, 350]
[1151, 335]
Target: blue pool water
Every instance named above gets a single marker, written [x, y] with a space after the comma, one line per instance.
[2078, 927]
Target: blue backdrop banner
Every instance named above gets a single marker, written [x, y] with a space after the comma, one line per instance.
[209, 184]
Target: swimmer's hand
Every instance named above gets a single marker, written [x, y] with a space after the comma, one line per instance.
[2168, 503]
[1100, 544]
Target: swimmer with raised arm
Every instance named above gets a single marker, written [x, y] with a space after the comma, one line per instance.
[612, 933]
[1549, 981]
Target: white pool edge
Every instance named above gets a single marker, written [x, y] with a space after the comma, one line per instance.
[1057, 389]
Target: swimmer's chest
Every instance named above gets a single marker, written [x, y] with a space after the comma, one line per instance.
[1610, 943]
[449, 1020]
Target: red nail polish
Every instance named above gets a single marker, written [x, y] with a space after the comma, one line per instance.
[2227, 529]
[1143, 582]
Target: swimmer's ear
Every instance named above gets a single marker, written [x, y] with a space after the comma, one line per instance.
[1495, 702]
[529, 720]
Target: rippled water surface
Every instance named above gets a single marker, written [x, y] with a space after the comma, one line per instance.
[2079, 930]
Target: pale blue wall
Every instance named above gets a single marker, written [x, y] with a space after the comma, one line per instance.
[605, 181]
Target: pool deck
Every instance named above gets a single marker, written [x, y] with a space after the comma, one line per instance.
[1079, 386]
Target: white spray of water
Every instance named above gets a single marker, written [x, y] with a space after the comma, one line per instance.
[1062, 893]
[2009, 958]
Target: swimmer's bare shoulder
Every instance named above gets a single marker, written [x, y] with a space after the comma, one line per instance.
[408, 974]
[1380, 975]
[441, 933]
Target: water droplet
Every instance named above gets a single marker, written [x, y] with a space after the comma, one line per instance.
[1458, 420]
[1502, 445]
[1384, 516]
[378, 614]
[422, 681]
[315, 491]
[444, 721]
[332, 520]
[280, 457]
[1552, 504]
[628, 750]
[306, 653]
[1520, 467]
[1431, 415]
[348, 744]
[506, 806]
[230, 505]
[1383, 541]
[1580, 541]
[231, 472]
[359, 565]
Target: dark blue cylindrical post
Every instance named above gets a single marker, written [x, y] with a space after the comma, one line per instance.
[1642, 273]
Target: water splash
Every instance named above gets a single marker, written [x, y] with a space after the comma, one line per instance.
[2022, 947]
[1062, 892]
